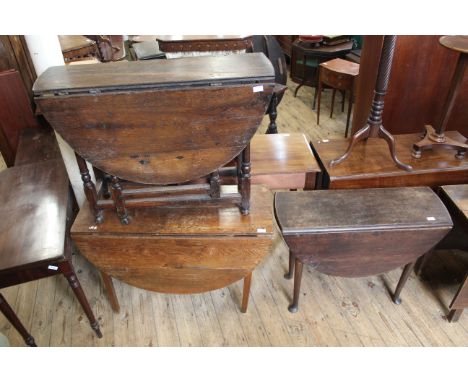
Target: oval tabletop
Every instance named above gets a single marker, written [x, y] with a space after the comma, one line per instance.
[158, 121]
[179, 249]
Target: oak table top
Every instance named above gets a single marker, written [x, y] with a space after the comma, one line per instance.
[370, 164]
[180, 249]
[282, 154]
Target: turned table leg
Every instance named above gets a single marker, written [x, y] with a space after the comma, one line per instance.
[246, 292]
[401, 283]
[70, 275]
[293, 308]
[273, 113]
[14, 320]
[109, 285]
[290, 273]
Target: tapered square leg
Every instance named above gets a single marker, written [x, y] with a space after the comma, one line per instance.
[293, 308]
[290, 273]
[401, 283]
[109, 285]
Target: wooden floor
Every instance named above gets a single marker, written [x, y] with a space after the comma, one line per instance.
[333, 311]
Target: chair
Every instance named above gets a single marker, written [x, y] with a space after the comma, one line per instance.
[36, 210]
[111, 48]
[340, 75]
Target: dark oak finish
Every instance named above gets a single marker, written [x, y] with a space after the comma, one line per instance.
[369, 165]
[340, 75]
[190, 127]
[203, 43]
[180, 249]
[358, 233]
[456, 198]
[159, 122]
[14, 54]
[34, 243]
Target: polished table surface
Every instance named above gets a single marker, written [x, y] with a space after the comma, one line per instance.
[283, 161]
[370, 164]
[30, 194]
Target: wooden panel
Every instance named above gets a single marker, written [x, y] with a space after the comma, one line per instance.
[359, 210]
[417, 88]
[360, 254]
[15, 112]
[203, 43]
[118, 75]
[175, 265]
[159, 136]
[370, 164]
[14, 54]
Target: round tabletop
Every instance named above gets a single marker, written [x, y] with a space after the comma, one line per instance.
[458, 43]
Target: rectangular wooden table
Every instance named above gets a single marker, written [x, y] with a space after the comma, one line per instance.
[283, 161]
[370, 164]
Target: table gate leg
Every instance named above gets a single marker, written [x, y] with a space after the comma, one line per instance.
[290, 273]
[109, 285]
[401, 283]
[246, 292]
[293, 308]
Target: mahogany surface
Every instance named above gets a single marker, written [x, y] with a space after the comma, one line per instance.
[357, 233]
[282, 161]
[162, 121]
[369, 164]
[36, 211]
[179, 249]
[457, 196]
